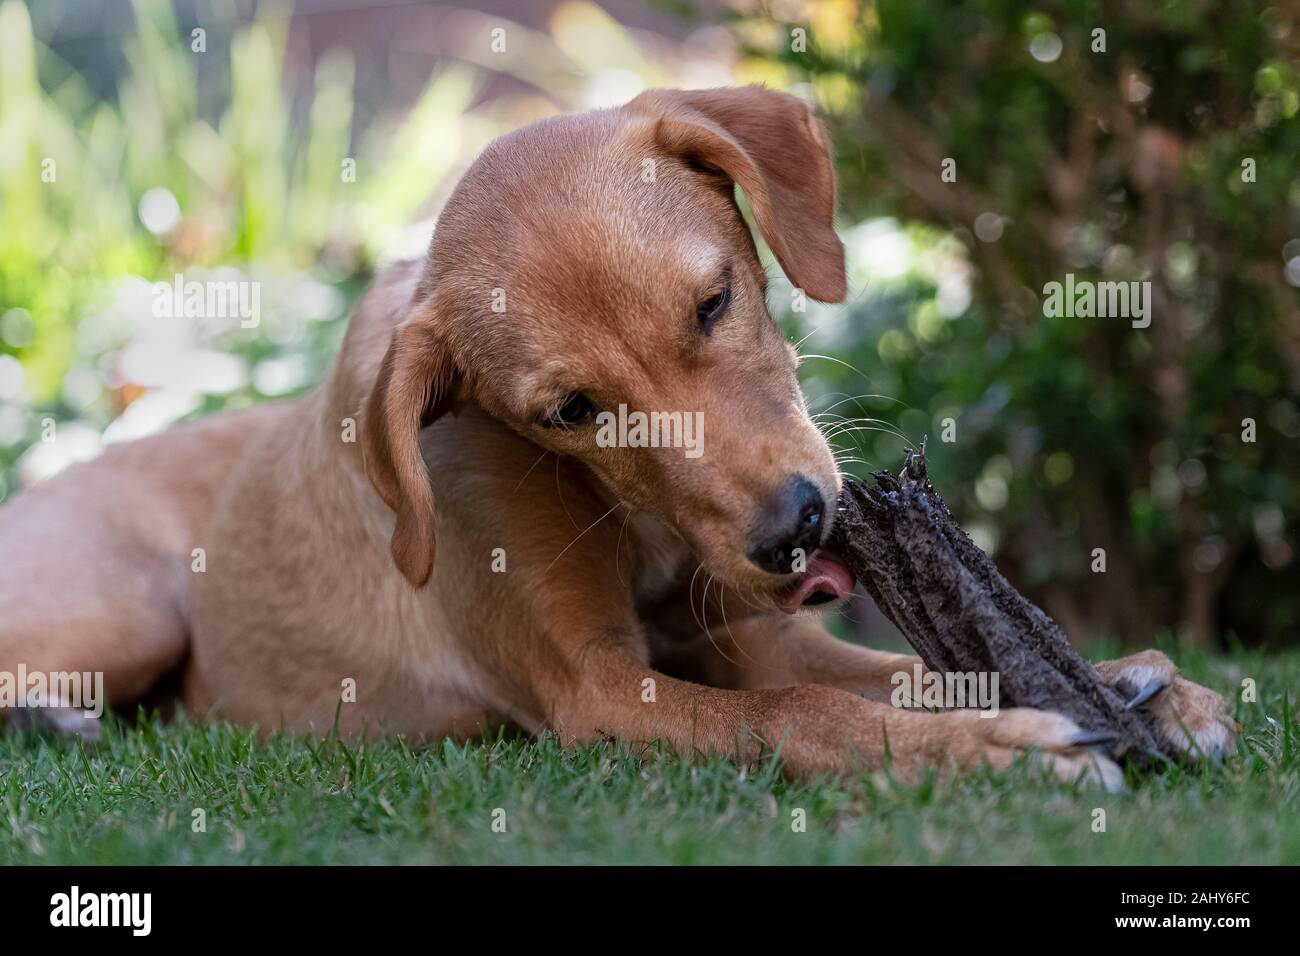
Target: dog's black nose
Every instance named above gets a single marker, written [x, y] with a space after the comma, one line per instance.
[795, 521]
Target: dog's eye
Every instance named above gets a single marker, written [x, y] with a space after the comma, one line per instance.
[577, 408]
[712, 308]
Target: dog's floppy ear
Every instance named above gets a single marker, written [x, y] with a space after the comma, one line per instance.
[416, 384]
[772, 147]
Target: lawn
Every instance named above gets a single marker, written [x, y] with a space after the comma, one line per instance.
[132, 799]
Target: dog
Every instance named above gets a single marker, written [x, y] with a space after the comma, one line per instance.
[434, 543]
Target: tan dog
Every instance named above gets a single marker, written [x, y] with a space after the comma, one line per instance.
[477, 553]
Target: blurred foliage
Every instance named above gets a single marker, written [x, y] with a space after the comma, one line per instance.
[1123, 164]
[93, 194]
[217, 161]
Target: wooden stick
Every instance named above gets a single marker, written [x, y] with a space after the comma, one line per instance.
[961, 615]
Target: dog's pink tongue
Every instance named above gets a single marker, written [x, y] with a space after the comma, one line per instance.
[826, 574]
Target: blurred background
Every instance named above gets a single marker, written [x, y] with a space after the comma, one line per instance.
[302, 145]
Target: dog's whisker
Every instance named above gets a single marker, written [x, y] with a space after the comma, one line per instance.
[617, 505]
[618, 547]
[856, 398]
[749, 603]
[838, 361]
[840, 462]
[855, 427]
[704, 621]
[560, 493]
[530, 470]
[712, 640]
[832, 430]
[839, 448]
[690, 596]
[845, 397]
[835, 419]
[858, 418]
[722, 607]
[851, 435]
[806, 338]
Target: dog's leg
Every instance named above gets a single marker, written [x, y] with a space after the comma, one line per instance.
[96, 565]
[556, 641]
[781, 652]
[819, 729]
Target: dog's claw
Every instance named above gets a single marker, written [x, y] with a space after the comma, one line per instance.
[1086, 738]
[1149, 690]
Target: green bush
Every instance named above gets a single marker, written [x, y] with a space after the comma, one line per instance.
[1128, 163]
[101, 198]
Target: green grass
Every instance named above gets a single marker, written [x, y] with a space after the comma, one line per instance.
[131, 798]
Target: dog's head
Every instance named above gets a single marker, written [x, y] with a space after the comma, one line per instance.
[592, 283]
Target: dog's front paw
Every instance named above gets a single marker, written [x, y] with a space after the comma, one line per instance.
[61, 721]
[1190, 718]
[1056, 741]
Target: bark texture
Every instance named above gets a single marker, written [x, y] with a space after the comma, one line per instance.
[961, 614]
